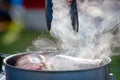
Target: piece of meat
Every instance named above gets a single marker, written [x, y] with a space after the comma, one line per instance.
[32, 62]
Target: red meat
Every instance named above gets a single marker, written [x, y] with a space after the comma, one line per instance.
[32, 62]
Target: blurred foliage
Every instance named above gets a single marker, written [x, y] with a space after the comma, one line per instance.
[115, 63]
[115, 66]
[17, 39]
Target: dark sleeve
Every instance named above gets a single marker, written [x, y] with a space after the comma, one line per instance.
[4, 16]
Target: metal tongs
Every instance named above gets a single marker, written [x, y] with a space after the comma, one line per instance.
[74, 15]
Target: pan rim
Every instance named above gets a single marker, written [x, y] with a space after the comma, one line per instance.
[50, 71]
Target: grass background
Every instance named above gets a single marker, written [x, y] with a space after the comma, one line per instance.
[17, 40]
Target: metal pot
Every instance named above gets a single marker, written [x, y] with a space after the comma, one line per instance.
[13, 73]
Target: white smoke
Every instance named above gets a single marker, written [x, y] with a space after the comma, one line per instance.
[62, 28]
[87, 48]
[42, 44]
[96, 20]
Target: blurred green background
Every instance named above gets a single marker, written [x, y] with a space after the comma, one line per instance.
[17, 39]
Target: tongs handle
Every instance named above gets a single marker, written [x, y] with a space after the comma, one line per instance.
[1, 62]
[74, 14]
[48, 13]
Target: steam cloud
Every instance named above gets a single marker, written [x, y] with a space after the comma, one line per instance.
[98, 19]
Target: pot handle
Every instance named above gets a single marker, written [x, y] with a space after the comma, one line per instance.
[1, 62]
[111, 76]
[2, 56]
[3, 78]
